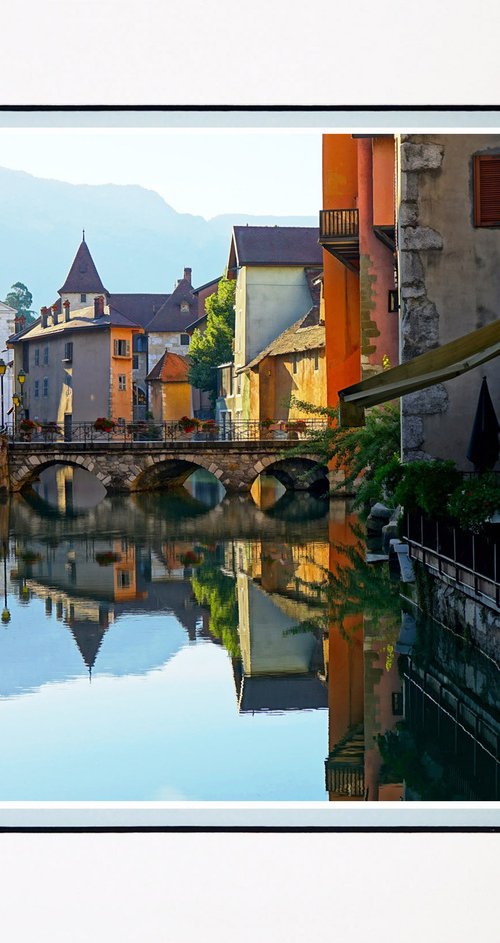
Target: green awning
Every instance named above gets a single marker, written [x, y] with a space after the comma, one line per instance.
[436, 365]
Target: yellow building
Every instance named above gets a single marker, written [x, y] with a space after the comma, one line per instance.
[170, 396]
[291, 368]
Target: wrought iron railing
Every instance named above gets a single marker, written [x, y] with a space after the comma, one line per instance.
[338, 224]
[152, 431]
[471, 560]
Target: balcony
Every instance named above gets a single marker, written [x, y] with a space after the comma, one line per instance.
[339, 235]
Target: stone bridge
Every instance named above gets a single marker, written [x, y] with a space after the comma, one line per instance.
[150, 466]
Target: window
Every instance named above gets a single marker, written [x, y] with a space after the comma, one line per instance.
[45, 386]
[37, 356]
[68, 351]
[121, 348]
[140, 343]
[37, 389]
[185, 339]
[316, 360]
[294, 363]
[122, 381]
[45, 355]
[83, 297]
[487, 190]
[124, 579]
[135, 362]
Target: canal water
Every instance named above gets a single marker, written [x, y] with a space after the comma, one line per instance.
[194, 646]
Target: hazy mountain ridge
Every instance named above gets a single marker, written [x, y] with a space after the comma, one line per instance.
[138, 242]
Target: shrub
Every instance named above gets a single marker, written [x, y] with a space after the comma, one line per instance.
[474, 501]
[427, 485]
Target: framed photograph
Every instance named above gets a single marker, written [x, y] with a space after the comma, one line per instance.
[250, 474]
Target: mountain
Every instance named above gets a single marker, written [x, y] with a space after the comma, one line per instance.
[138, 242]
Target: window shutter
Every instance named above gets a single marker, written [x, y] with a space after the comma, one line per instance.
[487, 190]
[115, 348]
[127, 348]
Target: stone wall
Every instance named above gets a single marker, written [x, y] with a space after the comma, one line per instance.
[449, 284]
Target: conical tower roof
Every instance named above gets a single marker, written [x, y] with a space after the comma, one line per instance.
[83, 276]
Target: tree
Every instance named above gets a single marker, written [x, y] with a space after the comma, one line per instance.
[21, 299]
[215, 346]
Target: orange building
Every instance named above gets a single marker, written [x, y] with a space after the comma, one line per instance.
[357, 232]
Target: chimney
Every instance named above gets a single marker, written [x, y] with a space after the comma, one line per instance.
[55, 316]
[187, 275]
[66, 310]
[44, 313]
[99, 307]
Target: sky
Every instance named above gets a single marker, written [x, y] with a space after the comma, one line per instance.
[207, 173]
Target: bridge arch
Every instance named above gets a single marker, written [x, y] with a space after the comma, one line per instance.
[24, 475]
[298, 473]
[170, 471]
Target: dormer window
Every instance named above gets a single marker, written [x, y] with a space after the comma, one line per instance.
[83, 297]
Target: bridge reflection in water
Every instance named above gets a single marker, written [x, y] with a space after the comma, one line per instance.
[271, 639]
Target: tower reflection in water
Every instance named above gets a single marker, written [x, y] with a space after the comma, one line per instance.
[282, 583]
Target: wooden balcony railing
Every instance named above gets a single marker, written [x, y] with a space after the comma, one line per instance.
[339, 235]
[338, 224]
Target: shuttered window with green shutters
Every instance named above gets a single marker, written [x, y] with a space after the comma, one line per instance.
[487, 190]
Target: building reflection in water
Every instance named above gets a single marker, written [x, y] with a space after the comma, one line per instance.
[282, 583]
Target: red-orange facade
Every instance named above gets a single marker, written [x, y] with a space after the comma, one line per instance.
[359, 260]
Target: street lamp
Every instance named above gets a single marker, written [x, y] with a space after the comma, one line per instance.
[5, 612]
[21, 379]
[17, 402]
[3, 367]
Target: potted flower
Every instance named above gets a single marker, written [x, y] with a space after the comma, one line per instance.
[190, 558]
[29, 557]
[27, 427]
[107, 558]
[265, 425]
[188, 424]
[294, 426]
[211, 427]
[103, 424]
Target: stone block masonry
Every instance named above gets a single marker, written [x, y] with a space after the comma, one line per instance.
[126, 467]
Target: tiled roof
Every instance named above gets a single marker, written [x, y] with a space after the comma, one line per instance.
[170, 317]
[140, 308]
[83, 276]
[81, 319]
[214, 281]
[308, 333]
[199, 321]
[277, 245]
[171, 368]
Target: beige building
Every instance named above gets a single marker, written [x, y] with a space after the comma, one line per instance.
[270, 264]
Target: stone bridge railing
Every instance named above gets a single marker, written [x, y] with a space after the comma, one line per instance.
[133, 466]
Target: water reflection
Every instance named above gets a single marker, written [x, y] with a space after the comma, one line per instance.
[256, 629]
